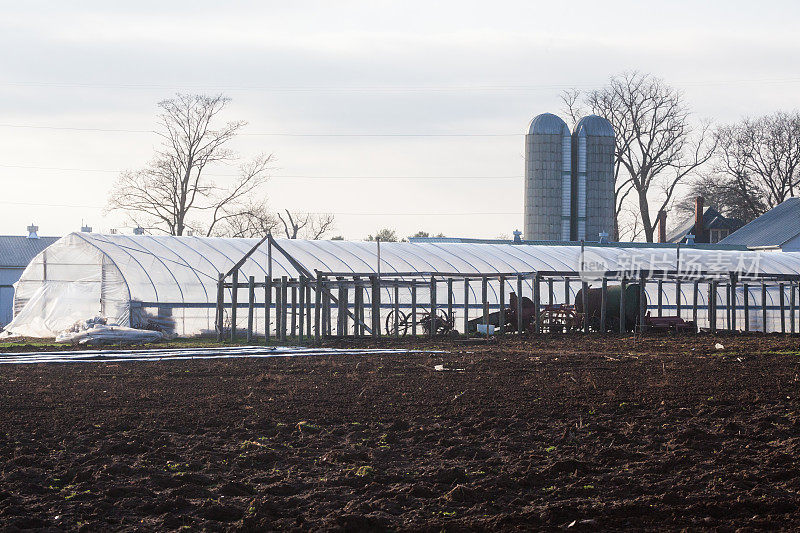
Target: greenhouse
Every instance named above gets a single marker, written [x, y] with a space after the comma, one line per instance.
[174, 283]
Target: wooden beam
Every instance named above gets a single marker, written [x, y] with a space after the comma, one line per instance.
[251, 307]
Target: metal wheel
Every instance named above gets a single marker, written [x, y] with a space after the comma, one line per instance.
[443, 323]
[558, 319]
[402, 324]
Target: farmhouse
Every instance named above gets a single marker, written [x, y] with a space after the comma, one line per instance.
[707, 225]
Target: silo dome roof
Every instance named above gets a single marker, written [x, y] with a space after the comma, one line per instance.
[548, 124]
[594, 125]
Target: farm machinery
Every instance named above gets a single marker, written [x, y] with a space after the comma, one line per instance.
[632, 311]
[402, 323]
[564, 318]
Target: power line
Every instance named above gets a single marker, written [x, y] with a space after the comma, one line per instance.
[265, 134]
[65, 169]
[377, 88]
[35, 204]
[280, 176]
[302, 88]
[499, 213]
[479, 87]
[66, 128]
[286, 134]
[291, 88]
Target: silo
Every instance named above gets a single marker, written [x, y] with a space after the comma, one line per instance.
[593, 178]
[547, 179]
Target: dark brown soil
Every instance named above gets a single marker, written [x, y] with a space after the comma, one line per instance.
[587, 432]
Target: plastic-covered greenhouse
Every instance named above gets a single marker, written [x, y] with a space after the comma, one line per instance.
[134, 280]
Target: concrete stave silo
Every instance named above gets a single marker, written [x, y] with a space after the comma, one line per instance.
[548, 177]
[593, 206]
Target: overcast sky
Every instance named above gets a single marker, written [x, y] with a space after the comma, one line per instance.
[383, 91]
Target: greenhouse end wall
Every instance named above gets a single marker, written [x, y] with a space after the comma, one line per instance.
[68, 282]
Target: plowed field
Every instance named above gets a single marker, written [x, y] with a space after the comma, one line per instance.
[581, 432]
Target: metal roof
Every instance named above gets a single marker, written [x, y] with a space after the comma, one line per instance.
[774, 228]
[470, 240]
[594, 125]
[548, 124]
[17, 251]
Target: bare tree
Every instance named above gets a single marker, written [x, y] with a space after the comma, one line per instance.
[759, 159]
[656, 145]
[723, 195]
[757, 167]
[425, 235]
[292, 224]
[308, 225]
[385, 235]
[572, 100]
[630, 226]
[321, 225]
[173, 192]
[254, 220]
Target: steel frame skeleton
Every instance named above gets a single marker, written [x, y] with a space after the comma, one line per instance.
[332, 288]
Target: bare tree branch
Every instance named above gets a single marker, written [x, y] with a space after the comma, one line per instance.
[572, 106]
[292, 224]
[253, 220]
[321, 225]
[306, 225]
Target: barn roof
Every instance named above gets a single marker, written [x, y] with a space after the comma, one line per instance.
[774, 228]
[17, 251]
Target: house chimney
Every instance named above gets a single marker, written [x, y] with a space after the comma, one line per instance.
[699, 230]
[662, 226]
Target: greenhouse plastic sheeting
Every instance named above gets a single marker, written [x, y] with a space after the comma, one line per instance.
[125, 277]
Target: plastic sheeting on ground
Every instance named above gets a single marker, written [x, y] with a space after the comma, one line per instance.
[103, 334]
[173, 354]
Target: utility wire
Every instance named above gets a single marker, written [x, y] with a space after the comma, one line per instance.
[278, 176]
[66, 128]
[35, 204]
[265, 134]
[374, 88]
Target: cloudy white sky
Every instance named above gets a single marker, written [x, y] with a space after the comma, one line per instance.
[407, 115]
